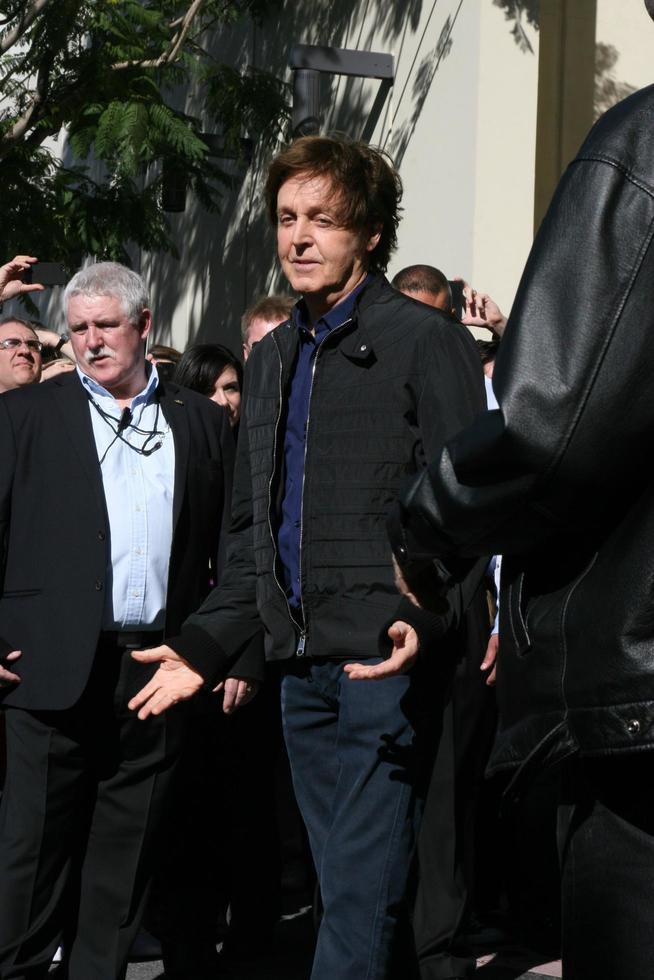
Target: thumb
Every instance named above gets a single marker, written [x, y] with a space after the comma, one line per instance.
[148, 656]
[394, 632]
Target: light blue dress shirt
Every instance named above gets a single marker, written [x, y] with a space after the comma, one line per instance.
[138, 491]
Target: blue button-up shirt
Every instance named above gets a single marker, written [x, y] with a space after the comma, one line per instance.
[289, 537]
[138, 491]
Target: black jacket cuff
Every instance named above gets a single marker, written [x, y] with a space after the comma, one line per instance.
[202, 652]
[5, 648]
[252, 662]
[430, 626]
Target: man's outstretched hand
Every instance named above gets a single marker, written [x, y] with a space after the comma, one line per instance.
[174, 681]
[405, 652]
[177, 681]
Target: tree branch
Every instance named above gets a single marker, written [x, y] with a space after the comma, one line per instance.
[31, 114]
[24, 23]
[170, 55]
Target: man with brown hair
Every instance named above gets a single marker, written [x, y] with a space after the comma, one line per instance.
[262, 317]
[342, 403]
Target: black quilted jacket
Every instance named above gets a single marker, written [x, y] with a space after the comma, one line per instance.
[389, 385]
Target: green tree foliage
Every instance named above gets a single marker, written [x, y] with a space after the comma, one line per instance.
[90, 124]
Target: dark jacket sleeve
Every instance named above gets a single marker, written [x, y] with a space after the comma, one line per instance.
[573, 380]
[225, 634]
[452, 394]
[7, 466]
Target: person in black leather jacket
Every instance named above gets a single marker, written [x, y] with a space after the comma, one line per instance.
[341, 404]
[558, 481]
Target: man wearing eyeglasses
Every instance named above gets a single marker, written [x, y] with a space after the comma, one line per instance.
[20, 354]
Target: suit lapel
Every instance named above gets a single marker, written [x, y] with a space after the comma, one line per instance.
[72, 404]
[175, 413]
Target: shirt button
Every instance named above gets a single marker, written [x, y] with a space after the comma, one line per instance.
[136, 593]
[363, 347]
[138, 551]
[138, 508]
[98, 585]
[132, 472]
[633, 726]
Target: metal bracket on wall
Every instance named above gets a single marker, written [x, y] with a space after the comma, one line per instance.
[309, 62]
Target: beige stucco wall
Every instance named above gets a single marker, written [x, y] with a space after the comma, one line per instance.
[460, 123]
[625, 27]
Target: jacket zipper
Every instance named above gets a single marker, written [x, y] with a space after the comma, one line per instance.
[303, 633]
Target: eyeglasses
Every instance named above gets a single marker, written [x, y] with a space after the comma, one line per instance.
[13, 343]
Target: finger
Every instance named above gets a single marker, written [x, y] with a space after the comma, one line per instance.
[218, 688]
[230, 697]
[387, 668]
[154, 655]
[35, 287]
[142, 696]
[6, 677]
[492, 677]
[157, 705]
[14, 655]
[246, 691]
[360, 672]
[491, 652]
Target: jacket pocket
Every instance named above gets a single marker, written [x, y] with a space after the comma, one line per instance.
[19, 593]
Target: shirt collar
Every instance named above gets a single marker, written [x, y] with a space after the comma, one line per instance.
[147, 394]
[337, 315]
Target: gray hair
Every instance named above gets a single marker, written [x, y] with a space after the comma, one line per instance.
[110, 279]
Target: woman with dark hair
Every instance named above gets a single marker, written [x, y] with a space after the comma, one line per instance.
[214, 371]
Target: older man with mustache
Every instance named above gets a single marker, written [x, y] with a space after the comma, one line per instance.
[142, 472]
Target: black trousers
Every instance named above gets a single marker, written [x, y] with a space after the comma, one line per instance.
[606, 843]
[84, 792]
[221, 832]
[446, 843]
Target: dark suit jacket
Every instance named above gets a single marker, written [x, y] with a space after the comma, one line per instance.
[54, 533]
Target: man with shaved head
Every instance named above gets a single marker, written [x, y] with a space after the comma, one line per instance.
[425, 283]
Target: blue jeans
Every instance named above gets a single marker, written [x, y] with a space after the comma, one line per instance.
[353, 755]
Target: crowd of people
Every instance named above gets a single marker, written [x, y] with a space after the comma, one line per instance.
[192, 566]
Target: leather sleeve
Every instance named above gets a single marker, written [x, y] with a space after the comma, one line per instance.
[573, 380]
